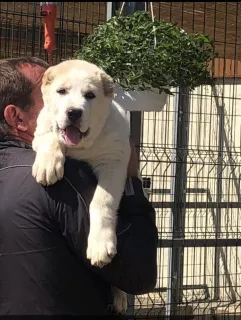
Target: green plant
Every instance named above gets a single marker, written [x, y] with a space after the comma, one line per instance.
[124, 47]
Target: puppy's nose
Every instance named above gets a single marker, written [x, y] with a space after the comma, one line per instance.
[74, 114]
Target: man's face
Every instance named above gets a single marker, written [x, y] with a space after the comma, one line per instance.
[35, 74]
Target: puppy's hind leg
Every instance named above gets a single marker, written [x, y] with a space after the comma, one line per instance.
[119, 300]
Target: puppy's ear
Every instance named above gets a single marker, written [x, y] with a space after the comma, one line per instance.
[48, 76]
[108, 84]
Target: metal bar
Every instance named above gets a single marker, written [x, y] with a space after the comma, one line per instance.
[185, 287]
[172, 195]
[188, 190]
[34, 30]
[135, 117]
[199, 243]
[217, 221]
[135, 122]
[115, 6]
[178, 208]
[198, 205]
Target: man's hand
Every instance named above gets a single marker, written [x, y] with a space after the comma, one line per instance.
[132, 169]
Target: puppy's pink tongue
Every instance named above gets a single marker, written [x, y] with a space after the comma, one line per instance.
[72, 135]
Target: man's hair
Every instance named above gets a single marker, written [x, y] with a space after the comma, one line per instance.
[15, 87]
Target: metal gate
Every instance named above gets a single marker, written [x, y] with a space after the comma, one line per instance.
[190, 154]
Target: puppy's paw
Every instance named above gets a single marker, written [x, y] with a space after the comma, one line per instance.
[48, 167]
[119, 300]
[101, 247]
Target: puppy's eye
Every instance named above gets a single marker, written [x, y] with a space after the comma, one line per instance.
[62, 91]
[89, 95]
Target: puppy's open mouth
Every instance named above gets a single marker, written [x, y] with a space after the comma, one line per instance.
[72, 135]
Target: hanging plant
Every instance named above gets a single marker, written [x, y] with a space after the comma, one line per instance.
[141, 54]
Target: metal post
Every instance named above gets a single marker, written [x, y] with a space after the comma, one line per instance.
[135, 119]
[217, 221]
[180, 198]
[115, 6]
[135, 116]
[172, 191]
[34, 29]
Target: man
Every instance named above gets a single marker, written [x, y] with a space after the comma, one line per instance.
[44, 230]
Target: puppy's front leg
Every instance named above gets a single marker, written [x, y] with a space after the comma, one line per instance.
[48, 166]
[103, 212]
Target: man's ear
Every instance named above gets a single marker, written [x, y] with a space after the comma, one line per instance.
[48, 76]
[108, 84]
[15, 118]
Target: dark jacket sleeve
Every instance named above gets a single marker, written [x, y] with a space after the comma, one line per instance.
[134, 268]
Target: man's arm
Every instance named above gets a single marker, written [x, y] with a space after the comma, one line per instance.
[134, 268]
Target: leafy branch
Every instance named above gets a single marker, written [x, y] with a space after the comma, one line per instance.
[124, 48]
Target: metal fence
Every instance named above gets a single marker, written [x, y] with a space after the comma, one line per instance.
[190, 154]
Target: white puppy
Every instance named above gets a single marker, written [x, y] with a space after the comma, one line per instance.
[80, 120]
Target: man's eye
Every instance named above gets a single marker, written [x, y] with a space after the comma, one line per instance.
[89, 95]
[62, 91]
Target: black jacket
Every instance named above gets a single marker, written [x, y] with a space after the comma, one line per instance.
[43, 239]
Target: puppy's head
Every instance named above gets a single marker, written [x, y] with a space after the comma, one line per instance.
[78, 94]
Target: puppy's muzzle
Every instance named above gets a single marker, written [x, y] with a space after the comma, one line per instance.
[74, 114]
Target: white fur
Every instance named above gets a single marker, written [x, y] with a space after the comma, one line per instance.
[106, 148]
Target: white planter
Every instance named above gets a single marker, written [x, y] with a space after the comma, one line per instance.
[140, 100]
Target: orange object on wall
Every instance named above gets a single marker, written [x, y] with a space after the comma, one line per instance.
[49, 13]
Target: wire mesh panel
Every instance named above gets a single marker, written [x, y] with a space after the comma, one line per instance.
[190, 153]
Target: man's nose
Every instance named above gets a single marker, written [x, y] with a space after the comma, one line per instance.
[74, 114]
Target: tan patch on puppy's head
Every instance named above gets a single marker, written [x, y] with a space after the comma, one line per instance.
[108, 84]
[48, 76]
